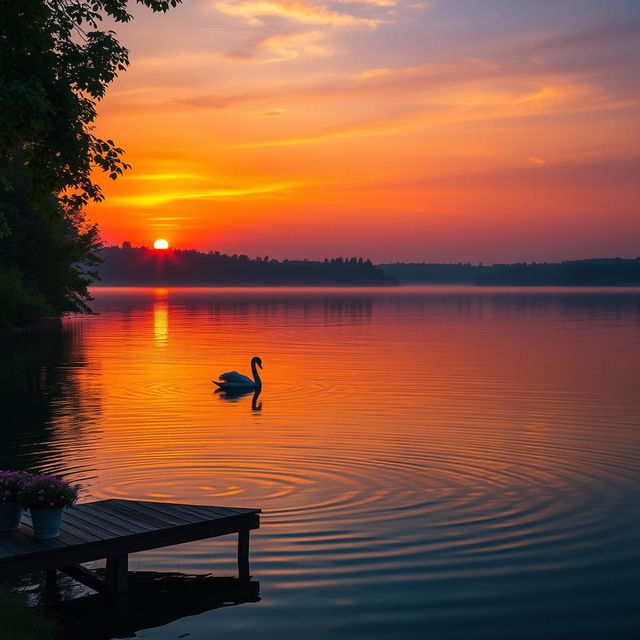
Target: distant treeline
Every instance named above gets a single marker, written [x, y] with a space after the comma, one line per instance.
[592, 272]
[128, 265]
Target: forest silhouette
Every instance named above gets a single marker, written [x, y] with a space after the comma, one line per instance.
[144, 266]
[590, 272]
[130, 266]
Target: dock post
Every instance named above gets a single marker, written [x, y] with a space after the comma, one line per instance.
[116, 573]
[243, 554]
[50, 579]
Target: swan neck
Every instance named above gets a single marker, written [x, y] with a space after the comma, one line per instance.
[256, 375]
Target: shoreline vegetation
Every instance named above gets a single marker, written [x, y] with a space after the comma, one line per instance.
[591, 272]
[141, 266]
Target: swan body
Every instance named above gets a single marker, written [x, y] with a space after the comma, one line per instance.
[232, 380]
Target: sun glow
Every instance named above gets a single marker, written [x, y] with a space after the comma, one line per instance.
[160, 243]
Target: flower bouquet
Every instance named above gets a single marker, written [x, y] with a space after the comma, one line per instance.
[46, 496]
[11, 483]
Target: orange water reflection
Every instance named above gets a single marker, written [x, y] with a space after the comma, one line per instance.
[366, 390]
[395, 424]
[161, 316]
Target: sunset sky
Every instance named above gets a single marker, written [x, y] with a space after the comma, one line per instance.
[442, 130]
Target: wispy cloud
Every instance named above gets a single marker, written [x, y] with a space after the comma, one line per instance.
[618, 171]
[429, 70]
[602, 35]
[296, 10]
[275, 111]
[287, 46]
[168, 218]
[177, 60]
[220, 101]
[159, 177]
[373, 82]
[461, 105]
[374, 3]
[420, 6]
[155, 199]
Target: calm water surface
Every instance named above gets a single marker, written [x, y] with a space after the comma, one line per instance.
[431, 462]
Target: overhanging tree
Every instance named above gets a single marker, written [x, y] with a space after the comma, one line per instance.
[56, 62]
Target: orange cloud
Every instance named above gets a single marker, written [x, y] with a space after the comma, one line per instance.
[428, 70]
[297, 10]
[153, 177]
[457, 105]
[375, 3]
[160, 198]
[287, 46]
[373, 82]
[275, 111]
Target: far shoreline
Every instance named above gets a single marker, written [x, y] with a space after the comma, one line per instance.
[390, 286]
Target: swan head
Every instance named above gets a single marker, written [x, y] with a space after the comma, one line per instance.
[257, 361]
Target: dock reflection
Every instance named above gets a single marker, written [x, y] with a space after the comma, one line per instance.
[154, 600]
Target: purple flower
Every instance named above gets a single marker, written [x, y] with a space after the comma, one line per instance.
[52, 490]
[11, 483]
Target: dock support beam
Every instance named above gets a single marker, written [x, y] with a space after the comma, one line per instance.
[243, 554]
[116, 573]
[85, 576]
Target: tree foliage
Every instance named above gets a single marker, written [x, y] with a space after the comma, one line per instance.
[56, 62]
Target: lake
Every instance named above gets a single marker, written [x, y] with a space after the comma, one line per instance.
[435, 462]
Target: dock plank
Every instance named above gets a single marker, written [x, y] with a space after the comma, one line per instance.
[133, 513]
[104, 518]
[200, 512]
[113, 512]
[164, 516]
[95, 527]
[71, 533]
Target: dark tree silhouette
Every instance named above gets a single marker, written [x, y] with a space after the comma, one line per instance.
[55, 65]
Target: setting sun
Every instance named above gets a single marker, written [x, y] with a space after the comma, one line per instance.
[160, 244]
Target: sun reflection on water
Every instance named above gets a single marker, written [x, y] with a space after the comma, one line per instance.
[161, 316]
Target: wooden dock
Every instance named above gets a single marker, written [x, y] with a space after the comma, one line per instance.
[113, 529]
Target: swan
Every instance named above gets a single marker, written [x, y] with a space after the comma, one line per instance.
[232, 380]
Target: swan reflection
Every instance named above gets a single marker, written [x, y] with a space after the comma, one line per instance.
[234, 395]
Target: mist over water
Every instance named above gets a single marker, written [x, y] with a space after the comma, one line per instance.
[430, 462]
